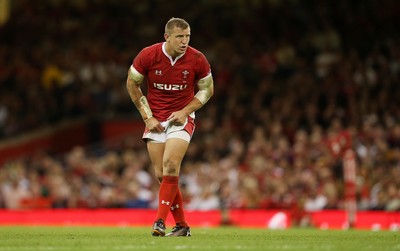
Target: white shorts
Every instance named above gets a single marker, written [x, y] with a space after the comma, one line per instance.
[184, 132]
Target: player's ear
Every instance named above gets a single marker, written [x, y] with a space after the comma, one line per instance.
[166, 36]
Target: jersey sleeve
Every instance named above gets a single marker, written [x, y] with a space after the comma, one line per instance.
[141, 62]
[203, 67]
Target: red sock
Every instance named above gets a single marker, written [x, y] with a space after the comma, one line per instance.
[166, 195]
[177, 210]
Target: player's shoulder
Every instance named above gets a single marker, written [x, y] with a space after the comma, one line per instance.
[152, 49]
[194, 52]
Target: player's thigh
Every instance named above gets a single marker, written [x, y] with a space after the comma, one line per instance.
[156, 153]
[175, 150]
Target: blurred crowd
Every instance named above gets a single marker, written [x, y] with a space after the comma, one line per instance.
[297, 84]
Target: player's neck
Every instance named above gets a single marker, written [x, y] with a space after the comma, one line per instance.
[171, 52]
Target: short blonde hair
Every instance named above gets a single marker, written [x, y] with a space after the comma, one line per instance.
[176, 22]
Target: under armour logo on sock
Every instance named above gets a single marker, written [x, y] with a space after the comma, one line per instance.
[174, 207]
[165, 202]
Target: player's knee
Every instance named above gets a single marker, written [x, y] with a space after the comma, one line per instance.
[171, 168]
[158, 172]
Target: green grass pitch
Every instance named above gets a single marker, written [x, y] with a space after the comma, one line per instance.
[229, 238]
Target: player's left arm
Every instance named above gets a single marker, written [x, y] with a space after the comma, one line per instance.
[205, 92]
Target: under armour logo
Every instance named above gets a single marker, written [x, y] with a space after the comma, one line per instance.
[158, 72]
[165, 202]
[174, 207]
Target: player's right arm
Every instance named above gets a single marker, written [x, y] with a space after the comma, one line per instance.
[133, 83]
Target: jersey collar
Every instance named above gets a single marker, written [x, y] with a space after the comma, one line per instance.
[168, 56]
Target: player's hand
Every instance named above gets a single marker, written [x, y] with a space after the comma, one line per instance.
[154, 125]
[178, 117]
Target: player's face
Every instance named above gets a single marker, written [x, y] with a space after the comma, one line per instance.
[177, 41]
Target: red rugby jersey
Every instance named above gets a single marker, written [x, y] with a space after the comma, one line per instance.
[171, 84]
